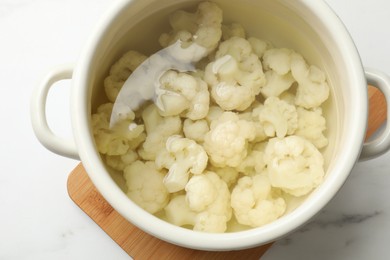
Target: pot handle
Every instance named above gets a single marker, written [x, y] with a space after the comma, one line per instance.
[42, 131]
[380, 144]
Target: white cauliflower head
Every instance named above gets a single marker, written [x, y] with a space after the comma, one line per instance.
[228, 174]
[145, 186]
[119, 162]
[158, 130]
[278, 117]
[259, 46]
[205, 207]
[227, 142]
[254, 162]
[202, 27]
[208, 195]
[236, 76]
[311, 125]
[116, 140]
[253, 202]
[120, 71]
[182, 94]
[294, 165]
[313, 88]
[187, 157]
[195, 130]
[277, 62]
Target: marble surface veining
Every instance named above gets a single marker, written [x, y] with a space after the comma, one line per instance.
[37, 218]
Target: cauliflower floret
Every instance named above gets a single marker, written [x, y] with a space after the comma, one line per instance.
[278, 117]
[118, 139]
[294, 165]
[120, 71]
[145, 186]
[278, 74]
[259, 46]
[228, 174]
[253, 202]
[311, 125]
[233, 30]
[215, 112]
[227, 141]
[254, 162]
[158, 130]
[119, 162]
[195, 130]
[236, 76]
[208, 195]
[312, 89]
[179, 213]
[252, 115]
[186, 157]
[182, 94]
[202, 27]
[206, 205]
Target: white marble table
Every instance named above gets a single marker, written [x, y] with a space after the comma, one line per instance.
[37, 218]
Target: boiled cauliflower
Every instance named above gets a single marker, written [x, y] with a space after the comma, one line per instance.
[227, 142]
[195, 130]
[254, 162]
[311, 125]
[186, 157]
[236, 76]
[119, 139]
[313, 88]
[145, 186]
[278, 117]
[120, 71]
[202, 27]
[206, 205]
[119, 162]
[233, 30]
[228, 174]
[253, 202]
[278, 74]
[158, 130]
[182, 94]
[259, 47]
[294, 165]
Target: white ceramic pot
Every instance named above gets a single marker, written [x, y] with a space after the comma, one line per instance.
[310, 27]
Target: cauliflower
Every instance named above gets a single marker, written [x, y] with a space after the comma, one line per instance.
[120, 71]
[120, 138]
[206, 205]
[233, 30]
[278, 74]
[145, 186]
[158, 130]
[187, 157]
[228, 174]
[254, 203]
[227, 141]
[195, 130]
[119, 162]
[278, 117]
[236, 76]
[202, 27]
[294, 165]
[252, 115]
[259, 47]
[182, 94]
[311, 125]
[254, 162]
[313, 89]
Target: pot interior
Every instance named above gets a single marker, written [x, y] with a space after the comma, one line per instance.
[287, 24]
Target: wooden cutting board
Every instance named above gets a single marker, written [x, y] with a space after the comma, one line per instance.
[141, 245]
